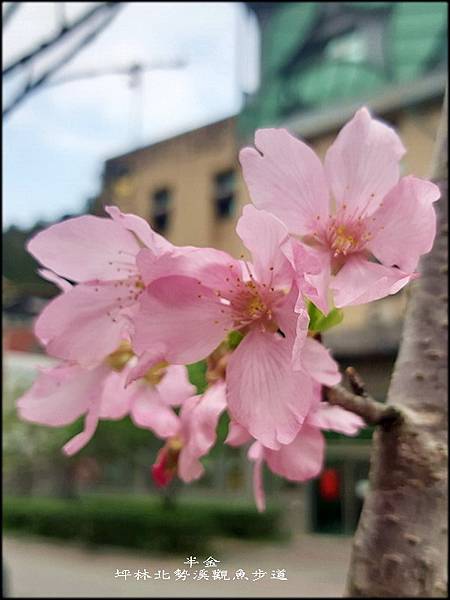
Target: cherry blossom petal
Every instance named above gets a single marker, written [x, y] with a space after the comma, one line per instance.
[301, 333]
[148, 410]
[304, 263]
[139, 366]
[199, 418]
[199, 421]
[207, 265]
[256, 454]
[263, 234]
[237, 435]
[116, 398]
[285, 177]
[404, 226]
[360, 281]
[184, 317]
[162, 474]
[189, 467]
[362, 164]
[335, 418]
[300, 460]
[175, 387]
[317, 399]
[60, 394]
[84, 324]
[86, 248]
[90, 425]
[302, 258]
[293, 321]
[63, 284]
[264, 394]
[140, 228]
[317, 361]
[320, 282]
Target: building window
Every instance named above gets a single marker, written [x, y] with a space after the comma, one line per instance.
[160, 210]
[114, 170]
[224, 194]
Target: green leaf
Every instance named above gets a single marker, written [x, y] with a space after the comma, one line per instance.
[234, 339]
[318, 322]
[197, 375]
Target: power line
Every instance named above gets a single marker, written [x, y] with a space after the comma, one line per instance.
[136, 69]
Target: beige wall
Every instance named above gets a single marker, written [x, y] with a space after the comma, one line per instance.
[187, 166]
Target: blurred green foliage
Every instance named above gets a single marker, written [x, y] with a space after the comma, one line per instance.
[141, 522]
[20, 268]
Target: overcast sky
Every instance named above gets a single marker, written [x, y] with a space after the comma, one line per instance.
[56, 141]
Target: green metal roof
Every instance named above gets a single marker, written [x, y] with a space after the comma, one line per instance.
[316, 55]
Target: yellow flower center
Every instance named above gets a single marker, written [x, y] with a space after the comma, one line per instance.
[119, 358]
[175, 444]
[256, 307]
[156, 373]
[343, 242]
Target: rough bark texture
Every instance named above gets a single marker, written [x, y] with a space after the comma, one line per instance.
[400, 546]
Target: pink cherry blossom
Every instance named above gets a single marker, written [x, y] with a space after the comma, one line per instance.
[352, 211]
[187, 318]
[88, 321]
[62, 394]
[149, 399]
[195, 436]
[303, 458]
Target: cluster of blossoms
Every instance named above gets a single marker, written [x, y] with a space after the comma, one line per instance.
[134, 309]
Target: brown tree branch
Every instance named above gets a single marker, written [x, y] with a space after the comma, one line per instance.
[9, 12]
[369, 409]
[63, 33]
[32, 86]
[357, 384]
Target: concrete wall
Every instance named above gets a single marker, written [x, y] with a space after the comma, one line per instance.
[186, 165]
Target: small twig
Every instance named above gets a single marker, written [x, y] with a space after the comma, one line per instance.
[9, 11]
[88, 16]
[32, 86]
[357, 384]
[360, 403]
[113, 71]
[61, 15]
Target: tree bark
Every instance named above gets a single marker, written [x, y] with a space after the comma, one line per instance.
[400, 546]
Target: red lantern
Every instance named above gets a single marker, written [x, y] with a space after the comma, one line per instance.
[329, 485]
